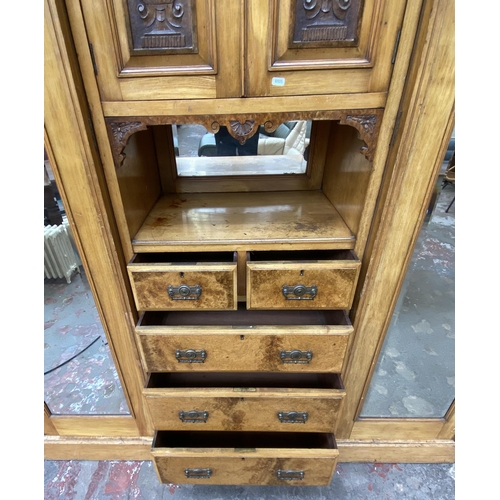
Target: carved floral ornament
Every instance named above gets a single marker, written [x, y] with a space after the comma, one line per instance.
[242, 128]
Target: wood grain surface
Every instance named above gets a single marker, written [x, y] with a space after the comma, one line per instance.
[242, 218]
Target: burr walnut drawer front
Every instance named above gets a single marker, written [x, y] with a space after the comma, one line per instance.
[320, 279]
[243, 340]
[280, 402]
[245, 458]
[184, 281]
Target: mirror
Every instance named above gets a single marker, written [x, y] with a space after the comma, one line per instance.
[80, 376]
[200, 153]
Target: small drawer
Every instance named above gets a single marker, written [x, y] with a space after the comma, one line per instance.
[281, 402]
[243, 340]
[245, 458]
[319, 279]
[184, 281]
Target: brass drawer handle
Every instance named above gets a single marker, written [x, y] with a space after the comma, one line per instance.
[193, 416]
[184, 292]
[198, 473]
[292, 417]
[299, 292]
[190, 356]
[290, 475]
[296, 356]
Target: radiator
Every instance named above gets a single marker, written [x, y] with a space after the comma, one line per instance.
[60, 260]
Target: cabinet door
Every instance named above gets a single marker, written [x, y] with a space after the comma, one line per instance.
[165, 49]
[303, 47]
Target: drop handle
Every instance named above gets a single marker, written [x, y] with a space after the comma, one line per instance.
[184, 292]
[296, 356]
[198, 473]
[299, 292]
[290, 475]
[292, 417]
[193, 416]
[190, 355]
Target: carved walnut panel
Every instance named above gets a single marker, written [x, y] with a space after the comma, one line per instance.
[162, 26]
[324, 33]
[318, 23]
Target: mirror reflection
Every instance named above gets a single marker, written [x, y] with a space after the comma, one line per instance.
[201, 153]
[80, 376]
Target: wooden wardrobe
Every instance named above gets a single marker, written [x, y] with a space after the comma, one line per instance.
[245, 312]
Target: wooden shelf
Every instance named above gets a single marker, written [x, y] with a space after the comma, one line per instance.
[243, 221]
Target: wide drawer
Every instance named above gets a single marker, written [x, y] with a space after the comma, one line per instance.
[245, 458]
[280, 402]
[320, 279]
[182, 281]
[243, 340]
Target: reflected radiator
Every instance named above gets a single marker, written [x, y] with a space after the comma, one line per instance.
[60, 260]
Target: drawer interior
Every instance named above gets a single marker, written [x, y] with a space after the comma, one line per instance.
[244, 317]
[248, 439]
[184, 258]
[245, 380]
[305, 256]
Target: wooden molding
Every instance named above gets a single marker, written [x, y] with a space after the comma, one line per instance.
[243, 126]
[448, 429]
[61, 448]
[425, 452]
[405, 429]
[95, 425]
[48, 425]
[105, 448]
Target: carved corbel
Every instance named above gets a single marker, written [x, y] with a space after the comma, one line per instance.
[367, 126]
[119, 133]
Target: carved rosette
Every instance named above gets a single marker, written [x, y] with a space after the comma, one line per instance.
[120, 133]
[241, 129]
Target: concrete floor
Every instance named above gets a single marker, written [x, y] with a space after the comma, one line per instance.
[114, 480]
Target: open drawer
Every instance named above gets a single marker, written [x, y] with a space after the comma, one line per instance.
[281, 402]
[181, 281]
[243, 340]
[317, 279]
[245, 458]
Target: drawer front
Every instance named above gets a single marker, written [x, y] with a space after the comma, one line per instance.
[231, 410]
[180, 287]
[246, 469]
[284, 349]
[289, 285]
